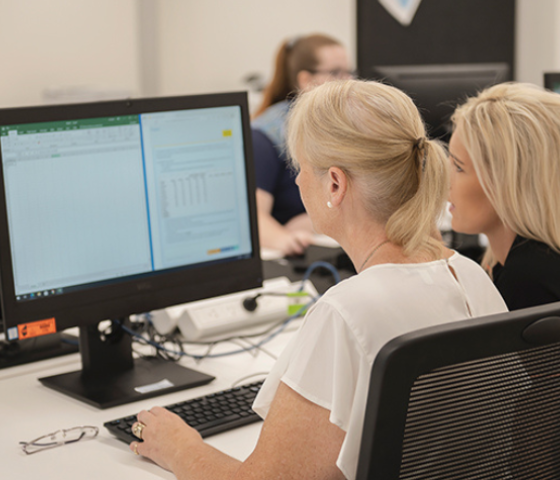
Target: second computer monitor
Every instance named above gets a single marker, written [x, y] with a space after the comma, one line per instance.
[552, 81]
[438, 89]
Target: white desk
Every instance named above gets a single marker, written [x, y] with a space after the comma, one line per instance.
[29, 410]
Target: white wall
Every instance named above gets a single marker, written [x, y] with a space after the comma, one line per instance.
[538, 39]
[169, 47]
[212, 44]
[62, 43]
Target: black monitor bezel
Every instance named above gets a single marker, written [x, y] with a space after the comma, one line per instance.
[450, 84]
[89, 306]
[549, 79]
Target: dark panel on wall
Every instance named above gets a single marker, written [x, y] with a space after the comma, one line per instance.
[443, 31]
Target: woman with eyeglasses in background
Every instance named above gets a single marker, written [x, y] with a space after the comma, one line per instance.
[505, 183]
[301, 64]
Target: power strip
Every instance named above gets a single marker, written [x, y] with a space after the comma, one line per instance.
[215, 316]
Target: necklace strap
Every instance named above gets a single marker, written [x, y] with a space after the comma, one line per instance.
[368, 258]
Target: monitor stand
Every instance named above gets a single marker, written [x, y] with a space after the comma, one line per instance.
[110, 376]
[36, 349]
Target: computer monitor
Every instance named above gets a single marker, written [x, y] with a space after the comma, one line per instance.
[438, 89]
[114, 208]
[552, 81]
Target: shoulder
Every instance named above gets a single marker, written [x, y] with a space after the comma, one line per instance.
[274, 112]
[483, 296]
[530, 275]
[261, 143]
[466, 266]
[272, 122]
[531, 261]
[526, 252]
[373, 301]
[399, 298]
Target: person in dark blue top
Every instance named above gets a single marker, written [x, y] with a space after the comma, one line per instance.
[276, 177]
[505, 183]
[301, 64]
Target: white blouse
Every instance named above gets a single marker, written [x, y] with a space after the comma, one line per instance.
[329, 361]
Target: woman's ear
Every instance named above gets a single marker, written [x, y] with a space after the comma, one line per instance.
[337, 185]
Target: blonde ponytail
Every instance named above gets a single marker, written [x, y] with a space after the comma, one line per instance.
[427, 202]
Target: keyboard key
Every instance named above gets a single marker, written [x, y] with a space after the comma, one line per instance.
[210, 414]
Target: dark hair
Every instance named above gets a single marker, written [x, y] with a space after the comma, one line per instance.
[294, 55]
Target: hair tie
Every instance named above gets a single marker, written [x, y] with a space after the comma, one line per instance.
[290, 44]
[419, 145]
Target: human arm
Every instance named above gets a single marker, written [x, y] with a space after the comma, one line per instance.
[300, 222]
[290, 239]
[270, 171]
[297, 441]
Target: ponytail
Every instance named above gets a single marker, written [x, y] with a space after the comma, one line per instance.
[426, 204]
[280, 87]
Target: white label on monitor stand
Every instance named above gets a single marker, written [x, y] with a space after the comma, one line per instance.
[154, 386]
[12, 333]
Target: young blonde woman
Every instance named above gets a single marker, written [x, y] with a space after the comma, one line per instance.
[370, 178]
[505, 183]
[301, 63]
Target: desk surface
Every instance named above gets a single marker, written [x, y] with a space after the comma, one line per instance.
[29, 410]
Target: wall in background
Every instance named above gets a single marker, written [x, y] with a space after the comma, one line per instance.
[58, 44]
[216, 44]
[165, 47]
[538, 39]
[212, 45]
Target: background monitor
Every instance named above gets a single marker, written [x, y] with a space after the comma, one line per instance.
[552, 81]
[114, 208]
[438, 89]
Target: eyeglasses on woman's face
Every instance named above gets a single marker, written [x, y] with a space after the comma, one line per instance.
[338, 73]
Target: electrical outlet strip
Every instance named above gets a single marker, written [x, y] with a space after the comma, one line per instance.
[215, 316]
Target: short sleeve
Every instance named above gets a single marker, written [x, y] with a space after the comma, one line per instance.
[326, 365]
[268, 165]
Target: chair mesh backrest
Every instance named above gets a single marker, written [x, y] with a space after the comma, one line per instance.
[495, 418]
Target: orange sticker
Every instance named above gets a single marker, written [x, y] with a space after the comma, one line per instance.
[38, 328]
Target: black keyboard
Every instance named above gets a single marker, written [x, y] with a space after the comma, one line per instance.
[210, 414]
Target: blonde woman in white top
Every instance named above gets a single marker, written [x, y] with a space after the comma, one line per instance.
[371, 179]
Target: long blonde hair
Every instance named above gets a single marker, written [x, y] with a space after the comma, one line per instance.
[511, 132]
[374, 133]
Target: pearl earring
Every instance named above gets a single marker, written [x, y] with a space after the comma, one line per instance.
[329, 204]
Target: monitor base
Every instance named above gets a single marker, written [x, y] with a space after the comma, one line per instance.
[150, 377]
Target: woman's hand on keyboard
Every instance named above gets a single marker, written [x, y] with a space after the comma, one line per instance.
[175, 446]
[164, 431]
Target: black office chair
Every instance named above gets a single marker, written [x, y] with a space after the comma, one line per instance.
[476, 399]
